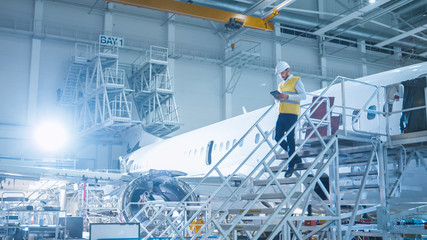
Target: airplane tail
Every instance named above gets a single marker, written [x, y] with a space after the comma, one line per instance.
[136, 137]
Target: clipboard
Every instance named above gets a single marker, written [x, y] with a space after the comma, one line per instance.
[275, 93]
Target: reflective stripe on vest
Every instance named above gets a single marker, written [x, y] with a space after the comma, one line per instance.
[289, 106]
[289, 101]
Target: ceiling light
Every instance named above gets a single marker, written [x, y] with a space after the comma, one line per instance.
[372, 1]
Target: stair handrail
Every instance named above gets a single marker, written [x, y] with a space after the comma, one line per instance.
[246, 159]
[314, 104]
[214, 168]
[285, 163]
[226, 179]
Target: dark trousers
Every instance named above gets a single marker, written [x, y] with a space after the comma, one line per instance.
[283, 124]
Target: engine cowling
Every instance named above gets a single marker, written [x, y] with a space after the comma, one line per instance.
[156, 185]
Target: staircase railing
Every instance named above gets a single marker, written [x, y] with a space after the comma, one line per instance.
[263, 170]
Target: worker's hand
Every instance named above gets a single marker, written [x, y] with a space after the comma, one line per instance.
[283, 96]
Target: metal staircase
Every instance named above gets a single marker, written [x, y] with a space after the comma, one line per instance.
[96, 89]
[76, 71]
[153, 93]
[261, 204]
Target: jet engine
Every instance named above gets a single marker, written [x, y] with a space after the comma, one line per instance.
[156, 185]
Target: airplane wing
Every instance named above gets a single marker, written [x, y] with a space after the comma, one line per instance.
[15, 169]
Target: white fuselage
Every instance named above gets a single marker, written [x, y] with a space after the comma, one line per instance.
[187, 153]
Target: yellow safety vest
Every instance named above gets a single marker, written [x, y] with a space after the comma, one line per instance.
[289, 106]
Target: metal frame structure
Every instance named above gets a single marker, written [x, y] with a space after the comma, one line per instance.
[32, 215]
[262, 204]
[162, 217]
[238, 55]
[211, 14]
[153, 93]
[96, 87]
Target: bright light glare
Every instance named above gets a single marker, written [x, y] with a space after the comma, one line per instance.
[372, 1]
[51, 136]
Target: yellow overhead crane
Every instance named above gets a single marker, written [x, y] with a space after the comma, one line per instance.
[234, 20]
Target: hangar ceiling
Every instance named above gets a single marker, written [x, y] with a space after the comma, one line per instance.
[384, 25]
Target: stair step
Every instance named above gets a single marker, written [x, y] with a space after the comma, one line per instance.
[268, 196]
[314, 151]
[357, 174]
[353, 162]
[256, 211]
[357, 187]
[298, 166]
[305, 152]
[245, 227]
[281, 181]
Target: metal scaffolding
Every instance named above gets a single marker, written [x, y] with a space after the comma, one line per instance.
[96, 88]
[346, 176]
[153, 93]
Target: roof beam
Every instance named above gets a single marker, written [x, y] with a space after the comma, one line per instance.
[403, 35]
[349, 17]
[198, 11]
[260, 5]
[275, 11]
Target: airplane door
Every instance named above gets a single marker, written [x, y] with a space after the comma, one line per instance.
[208, 158]
[414, 96]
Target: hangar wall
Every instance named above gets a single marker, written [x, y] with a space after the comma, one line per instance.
[199, 84]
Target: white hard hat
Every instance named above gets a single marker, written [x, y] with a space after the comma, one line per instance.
[281, 66]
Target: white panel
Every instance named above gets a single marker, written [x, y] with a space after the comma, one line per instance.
[114, 230]
[376, 69]
[54, 64]
[300, 56]
[17, 8]
[198, 94]
[143, 29]
[252, 91]
[311, 84]
[14, 68]
[196, 38]
[337, 67]
[102, 156]
[71, 18]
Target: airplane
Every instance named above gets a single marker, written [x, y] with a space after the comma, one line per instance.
[166, 169]
[189, 156]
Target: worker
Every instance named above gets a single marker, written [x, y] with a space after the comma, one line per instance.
[291, 93]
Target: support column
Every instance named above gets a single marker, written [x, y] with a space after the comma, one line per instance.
[397, 50]
[227, 99]
[362, 48]
[323, 69]
[322, 59]
[35, 62]
[171, 41]
[277, 51]
[108, 19]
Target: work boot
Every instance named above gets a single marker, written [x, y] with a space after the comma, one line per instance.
[297, 159]
[289, 173]
[291, 167]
